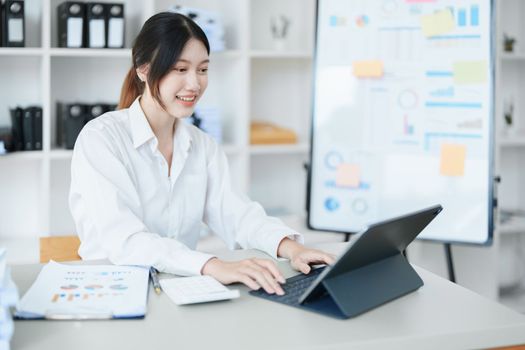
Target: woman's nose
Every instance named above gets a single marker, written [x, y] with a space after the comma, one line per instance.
[192, 82]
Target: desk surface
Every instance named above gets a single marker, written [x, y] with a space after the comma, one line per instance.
[439, 315]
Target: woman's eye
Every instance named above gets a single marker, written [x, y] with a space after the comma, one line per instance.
[203, 70]
[181, 70]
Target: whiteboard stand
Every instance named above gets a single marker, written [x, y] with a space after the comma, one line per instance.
[450, 264]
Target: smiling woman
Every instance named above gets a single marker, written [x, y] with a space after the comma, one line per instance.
[143, 181]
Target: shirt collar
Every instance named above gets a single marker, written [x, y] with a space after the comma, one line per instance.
[141, 130]
[182, 139]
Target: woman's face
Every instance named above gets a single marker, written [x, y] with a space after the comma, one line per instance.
[184, 85]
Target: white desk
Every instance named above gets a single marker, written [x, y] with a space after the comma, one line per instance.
[440, 315]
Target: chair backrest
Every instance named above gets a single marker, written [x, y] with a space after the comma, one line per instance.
[59, 248]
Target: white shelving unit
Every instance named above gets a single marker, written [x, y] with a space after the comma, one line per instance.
[249, 80]
[510, 151]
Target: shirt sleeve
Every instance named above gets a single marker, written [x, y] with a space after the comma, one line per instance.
[106, 208]
[235, 218]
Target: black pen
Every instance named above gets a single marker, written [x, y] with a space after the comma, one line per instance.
[155, 279]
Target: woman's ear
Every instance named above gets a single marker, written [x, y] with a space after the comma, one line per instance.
[142, 72]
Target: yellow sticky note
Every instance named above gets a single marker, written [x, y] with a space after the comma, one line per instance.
[438, 23]
[452, 159]
[368, 69]
[470, 72]
[348, 175]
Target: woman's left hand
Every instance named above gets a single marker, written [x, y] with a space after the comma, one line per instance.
[301, 257]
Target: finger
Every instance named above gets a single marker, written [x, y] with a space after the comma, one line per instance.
[303, 267]
[269, 278]
[259, 278]
[318, 258]
[326, 258]
[332, 258]
[270, 265]
[248, 282]
[275, 285]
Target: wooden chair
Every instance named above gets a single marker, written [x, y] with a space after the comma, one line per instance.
[59, 248]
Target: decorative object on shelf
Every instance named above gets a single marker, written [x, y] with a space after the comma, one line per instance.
[208, 119]
[508, 114]
[71, 118]
[6, 140]
[508, 43]
[210, 23]
[280, 27]
[26, 129]
[264, 133]
[13, 23]
[92, 24]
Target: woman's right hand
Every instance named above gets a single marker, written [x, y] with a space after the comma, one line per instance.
[255, 273]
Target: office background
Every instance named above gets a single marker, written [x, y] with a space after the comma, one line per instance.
[258, 77]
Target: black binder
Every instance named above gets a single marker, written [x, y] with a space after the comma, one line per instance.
[97, 109]
[95, 25]
[70, 16]
[37, 128]
[115, 25]
[370, 272]
[71, 118]
[13, 31]
[17, 115]
[27, 129]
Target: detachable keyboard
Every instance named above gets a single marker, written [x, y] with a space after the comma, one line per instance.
[293, 288]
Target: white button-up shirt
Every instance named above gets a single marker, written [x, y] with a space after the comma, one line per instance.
[128, 210]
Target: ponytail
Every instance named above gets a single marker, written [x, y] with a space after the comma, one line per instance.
[131, 89]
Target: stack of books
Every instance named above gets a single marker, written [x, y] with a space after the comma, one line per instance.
[8, 299]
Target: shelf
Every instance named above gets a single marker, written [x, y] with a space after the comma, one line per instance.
[66, 154]
[48, 73]
[506, 56]
[513, 225]
[225, 54]
[21, 51]
[23, 155]
[300, 148]
[231, 149]
[280, 54]
[515, 141]
[61, 154]
[65, 52]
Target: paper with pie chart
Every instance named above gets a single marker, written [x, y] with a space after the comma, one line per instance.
[117, 291]
[403, 106]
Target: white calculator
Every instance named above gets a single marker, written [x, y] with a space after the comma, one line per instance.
[196, 289]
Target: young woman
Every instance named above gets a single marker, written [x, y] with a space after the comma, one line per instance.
[143, 181]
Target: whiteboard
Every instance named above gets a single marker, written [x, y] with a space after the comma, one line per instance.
[403, 115]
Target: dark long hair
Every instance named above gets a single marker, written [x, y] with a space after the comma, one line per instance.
[159, 43]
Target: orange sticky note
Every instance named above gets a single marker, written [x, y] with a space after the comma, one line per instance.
[348, 175]
[452, 159]
[368, 69]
